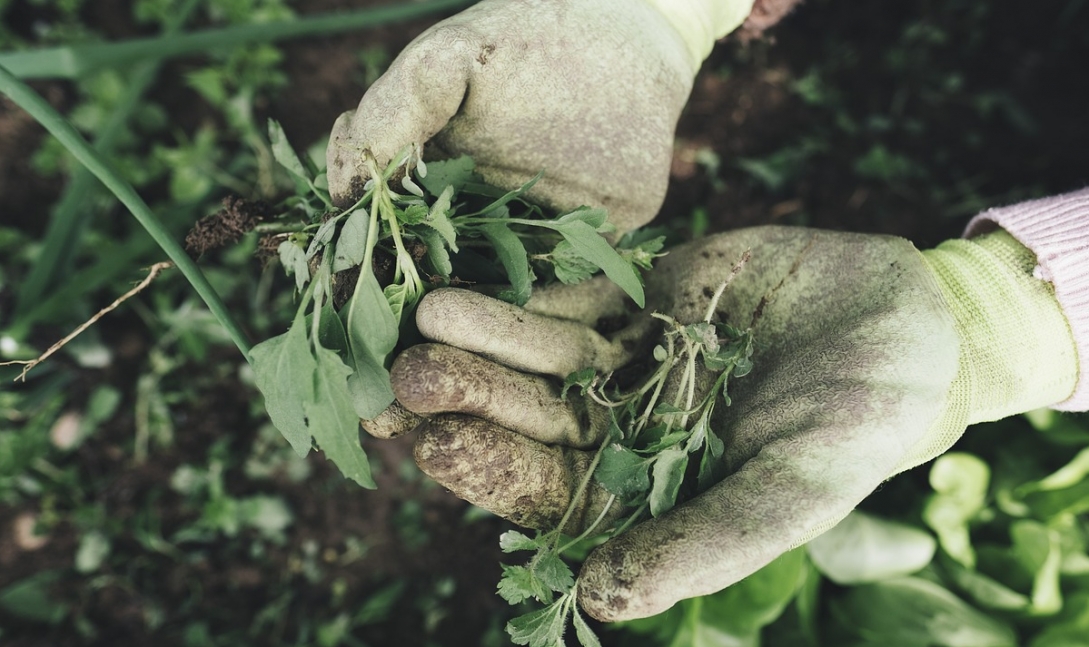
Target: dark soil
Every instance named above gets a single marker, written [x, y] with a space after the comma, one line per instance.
[985, 103]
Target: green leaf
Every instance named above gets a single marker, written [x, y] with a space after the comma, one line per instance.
[284, 153]
[30, 599]
[372, 335]
[512, 540]
[668, 473]
[331, 333]
[500, 203]
[983, 589]
[743, 609]
[437, 255]
[283, 367]
[541, 628]
[352, 242]
[595, 217]
[623, 472]
[519, 584]
[913, 612]
[1037, 548]
[585, 635]
[960, 483]
[333, 420]
[594, 248]
[512, 254]
[293, 258]
[863, 548]
[553, 572]
[398, 298]
[413, 214]
[569, 266]
[452, 173]
[582, 378]
[643, 254]
[439, 218]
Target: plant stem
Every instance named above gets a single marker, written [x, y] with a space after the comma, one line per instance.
[583, 484]
[76, 61]
[44, 113]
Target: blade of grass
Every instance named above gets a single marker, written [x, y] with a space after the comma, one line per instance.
[44, 113]
[70, 213]
[74, 61]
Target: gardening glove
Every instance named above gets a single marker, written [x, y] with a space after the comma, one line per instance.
[588, 91]
[871, 358]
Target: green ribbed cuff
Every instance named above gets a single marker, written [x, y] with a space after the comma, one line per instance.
[701, 22]
[1017, 348]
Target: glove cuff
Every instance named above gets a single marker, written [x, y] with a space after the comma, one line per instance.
[1017, 348]
[701, 22]
[1056, 229]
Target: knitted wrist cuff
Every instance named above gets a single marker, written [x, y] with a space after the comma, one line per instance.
[701, 22]
[1056, 229]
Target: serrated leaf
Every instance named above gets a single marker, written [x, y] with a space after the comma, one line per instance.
[553, 572]
[293, 259]
[454, 173]
[283, 367]
[668, 473]
[512, 540]
[541, 628]
[582, 378]
[372, 332]
[333, 420]
[594, 248]
[284, 153]
[519, 584]
[437, 255]
[352, 242]
[438, 218]
[586, 635]
[622, 472]
[413, 214]
[569, 266]
[512, 255]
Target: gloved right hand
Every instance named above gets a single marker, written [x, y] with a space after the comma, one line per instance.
[589, 91]
[871, 358]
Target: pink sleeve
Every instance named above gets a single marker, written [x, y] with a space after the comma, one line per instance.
[1056, 229]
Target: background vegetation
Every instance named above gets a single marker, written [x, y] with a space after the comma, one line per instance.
[144, 496]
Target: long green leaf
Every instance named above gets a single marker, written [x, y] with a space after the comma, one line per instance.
[72, 62]
[33, 103]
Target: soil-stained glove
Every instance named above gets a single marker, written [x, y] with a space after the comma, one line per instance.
[871, 358]
[588, 91]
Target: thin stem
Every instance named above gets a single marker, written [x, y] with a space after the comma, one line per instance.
[591, 527]
[631, 520]
[713, 305]
[33, 103]
[585, 483]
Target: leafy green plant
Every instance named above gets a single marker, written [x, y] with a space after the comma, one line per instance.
[642, 463]
[331, 367]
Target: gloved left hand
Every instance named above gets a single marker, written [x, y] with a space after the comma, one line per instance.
[871, 358]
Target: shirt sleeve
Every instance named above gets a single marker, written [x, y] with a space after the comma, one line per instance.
[1056, 229]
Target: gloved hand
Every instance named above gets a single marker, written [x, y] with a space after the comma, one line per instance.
[589, 91]
[871, 358]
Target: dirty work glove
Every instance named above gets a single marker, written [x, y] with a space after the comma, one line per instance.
[589, 91]
[871, 357]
